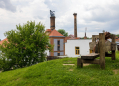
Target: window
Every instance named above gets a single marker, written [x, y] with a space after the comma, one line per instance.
[58, 42]
[90, 51]
[58, 47]
[77, 50]
[58, 54]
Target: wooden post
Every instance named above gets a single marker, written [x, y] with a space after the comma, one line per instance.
[113, 51]
[93, 38]
[79, 62]
[102, 49]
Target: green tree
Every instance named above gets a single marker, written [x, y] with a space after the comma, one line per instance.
[0, 39]
[63, 32]
[26, 46]
[117, 35]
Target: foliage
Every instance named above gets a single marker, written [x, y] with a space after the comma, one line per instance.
[25, 46]
[117, 35]
[53, 73]
[87, 38]
[63, 32]
[0, 39]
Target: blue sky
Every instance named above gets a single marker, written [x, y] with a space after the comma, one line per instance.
[96, 15]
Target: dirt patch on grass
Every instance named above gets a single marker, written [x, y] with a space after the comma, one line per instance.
[68, 64]
[115, 71]
[18, 79]
[74, 64]
[70, 69]
[68, 61]
[86, 64]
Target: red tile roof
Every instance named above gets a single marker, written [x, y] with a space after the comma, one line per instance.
[3, 40]
[49, 30]
[55, 33]
[66, 38]
[117, 38]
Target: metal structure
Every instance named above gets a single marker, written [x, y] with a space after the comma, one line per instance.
[52, 14]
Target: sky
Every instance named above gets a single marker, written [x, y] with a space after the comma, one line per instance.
[95, 15]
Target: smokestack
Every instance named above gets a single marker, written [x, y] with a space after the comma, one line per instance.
[52, 20]
[75, 24]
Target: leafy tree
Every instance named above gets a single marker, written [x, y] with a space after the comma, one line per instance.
[117, 35]
[0, 39]
[26, 46]
[63, 32]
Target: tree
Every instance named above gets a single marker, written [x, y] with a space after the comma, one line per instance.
[63, 32]
[25, 46]
[117, 35]
[0, 39]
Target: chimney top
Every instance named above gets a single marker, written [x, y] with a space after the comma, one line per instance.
[75, 14]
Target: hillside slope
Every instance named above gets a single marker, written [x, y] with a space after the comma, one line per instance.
[54, 73]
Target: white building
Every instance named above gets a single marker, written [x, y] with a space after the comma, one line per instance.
[77, 47]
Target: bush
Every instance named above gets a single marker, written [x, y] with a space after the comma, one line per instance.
[25, 46]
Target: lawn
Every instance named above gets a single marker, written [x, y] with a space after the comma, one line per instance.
[54, 73]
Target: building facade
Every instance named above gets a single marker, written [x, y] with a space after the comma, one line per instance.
[77, 47]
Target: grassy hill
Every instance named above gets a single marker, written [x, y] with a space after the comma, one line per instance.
[54, 73]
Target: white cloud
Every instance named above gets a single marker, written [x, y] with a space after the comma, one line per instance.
[96, 15]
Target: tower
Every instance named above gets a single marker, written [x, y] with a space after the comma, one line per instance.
[75, 24]
[52, 20]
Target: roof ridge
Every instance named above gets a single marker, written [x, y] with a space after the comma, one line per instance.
[55, 33]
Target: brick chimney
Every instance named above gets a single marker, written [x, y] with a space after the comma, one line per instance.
[52, 20]
[52, 23]
[75, 24]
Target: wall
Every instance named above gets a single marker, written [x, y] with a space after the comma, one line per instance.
[47, 52]
[52, 42]
[72, 43]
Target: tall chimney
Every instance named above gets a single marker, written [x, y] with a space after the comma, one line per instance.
[75, 24]
[52, 20]
[52, 23]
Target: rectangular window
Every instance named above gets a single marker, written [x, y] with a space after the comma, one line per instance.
[58, 42]
[58, 54]
[90, 51]
[77, 50]
[58, 47]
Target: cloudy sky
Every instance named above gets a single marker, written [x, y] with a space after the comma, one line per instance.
[96, 15]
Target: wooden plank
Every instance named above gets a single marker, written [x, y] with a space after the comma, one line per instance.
[113, 46]
[95, 61]
[113, 54]
[96, 48]
[94, 38]
[79, 62]
[102, 49]
[90, 56]
[108, 55]
[113, 51]
[52, 57]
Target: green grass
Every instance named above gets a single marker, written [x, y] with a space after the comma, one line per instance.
[54, 73]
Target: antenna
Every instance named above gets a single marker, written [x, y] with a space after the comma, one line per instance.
[85, 29]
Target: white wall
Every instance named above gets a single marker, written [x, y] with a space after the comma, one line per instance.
[83, 44]
[47, 52]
